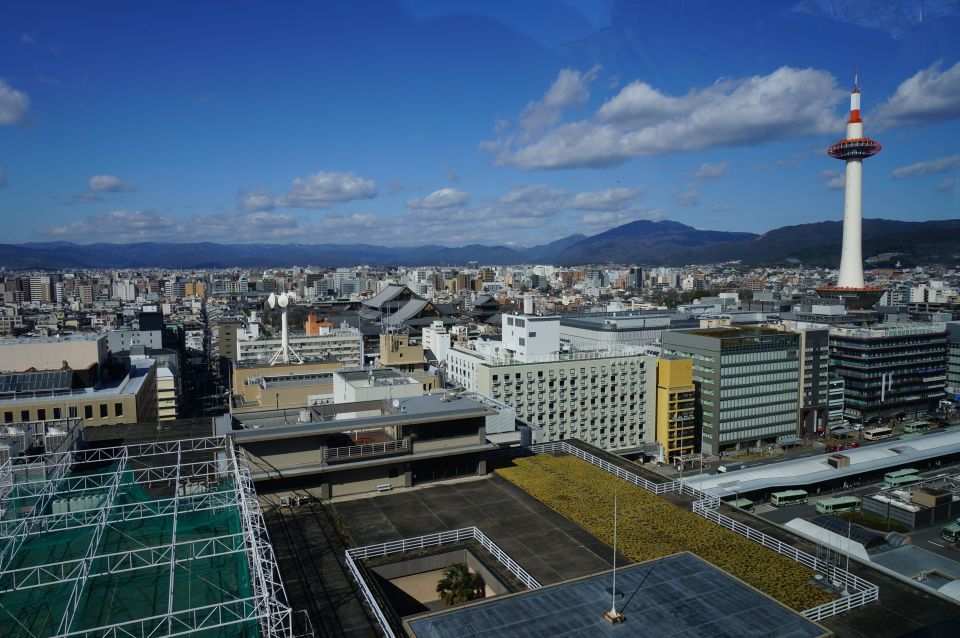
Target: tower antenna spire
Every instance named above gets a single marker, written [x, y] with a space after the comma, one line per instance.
[852, 150]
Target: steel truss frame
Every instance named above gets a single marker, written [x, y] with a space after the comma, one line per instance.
[266, 606]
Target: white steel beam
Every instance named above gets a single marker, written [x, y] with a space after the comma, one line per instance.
[142, 475]
[73, 602]
[173, 542]
[153, 448]
[60, 467]
[119, 562]
[120, 513]
[185, 622]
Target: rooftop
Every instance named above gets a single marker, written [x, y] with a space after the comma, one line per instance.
[73, 337]
[814, 469]
[274, 424]
[680, 595]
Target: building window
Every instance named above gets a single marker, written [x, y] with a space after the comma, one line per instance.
[72, 411]
[118, 409]
[8, 417]
[104, 411]
[24, 415]
[41, 414]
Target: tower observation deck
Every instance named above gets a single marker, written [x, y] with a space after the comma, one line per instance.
[853, 150]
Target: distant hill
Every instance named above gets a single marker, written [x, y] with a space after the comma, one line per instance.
[644, 241]
[641, 242]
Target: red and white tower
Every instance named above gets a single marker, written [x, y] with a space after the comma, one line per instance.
[853, 150]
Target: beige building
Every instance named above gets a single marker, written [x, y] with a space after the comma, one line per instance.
[166, 394]
[396, 351]
[604, 399]
[76, 352]
[132, 399]
[259, 386]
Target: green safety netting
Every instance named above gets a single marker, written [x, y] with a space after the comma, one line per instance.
[128, 596]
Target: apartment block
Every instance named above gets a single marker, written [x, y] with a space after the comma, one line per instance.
[607, 399]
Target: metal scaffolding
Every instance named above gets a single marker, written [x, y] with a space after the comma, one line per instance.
[85, 509]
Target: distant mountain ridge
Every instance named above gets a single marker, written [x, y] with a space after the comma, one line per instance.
[640, 242]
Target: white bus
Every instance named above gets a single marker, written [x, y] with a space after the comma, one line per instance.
[789, 497]
[876, 434]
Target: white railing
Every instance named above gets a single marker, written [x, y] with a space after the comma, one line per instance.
[422, 542]
[562, 447]
[365, 449]
[862, 591]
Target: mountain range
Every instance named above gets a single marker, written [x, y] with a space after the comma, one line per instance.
[640, 242]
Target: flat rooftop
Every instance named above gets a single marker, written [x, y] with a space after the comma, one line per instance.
[679, 595]
[273, 424]
[815, 469]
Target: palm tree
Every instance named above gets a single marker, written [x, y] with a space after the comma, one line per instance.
[459, 585]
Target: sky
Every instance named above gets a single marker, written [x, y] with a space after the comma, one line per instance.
[412, 122]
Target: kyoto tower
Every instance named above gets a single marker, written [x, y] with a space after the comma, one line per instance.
[853, 150]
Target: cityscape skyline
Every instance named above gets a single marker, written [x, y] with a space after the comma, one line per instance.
[458, 124]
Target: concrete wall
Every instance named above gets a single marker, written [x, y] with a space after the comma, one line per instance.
[283, 454]
[368, 479]
[17, 356]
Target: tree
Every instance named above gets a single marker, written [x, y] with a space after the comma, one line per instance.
[460, 585]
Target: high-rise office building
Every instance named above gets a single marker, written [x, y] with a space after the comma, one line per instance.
[890, 369]
[747, 380]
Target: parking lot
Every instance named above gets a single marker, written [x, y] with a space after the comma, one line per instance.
[927, 537]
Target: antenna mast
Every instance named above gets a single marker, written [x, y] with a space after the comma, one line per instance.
[613, 615]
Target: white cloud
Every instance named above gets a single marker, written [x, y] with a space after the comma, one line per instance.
[109, 184]
[833, 180]
[922, 169]
[571, 88]
[440, 199]
[28, 38]
[324, 189]
[709, 170]
[118, 225]
[929, 96]
[13, 104]
[599, 222]
[134, 226]
[532, 194]
[641, 120]
[948, 185]
[608, 199]
[257, 199]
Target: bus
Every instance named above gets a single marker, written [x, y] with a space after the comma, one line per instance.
[951, 533]
[901, 481]
[790, 497]
[838, 504]
[919, 426]
[876, 434]
[742, 503]
[898, 474]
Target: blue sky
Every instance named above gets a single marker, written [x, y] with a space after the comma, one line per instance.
[499, 122]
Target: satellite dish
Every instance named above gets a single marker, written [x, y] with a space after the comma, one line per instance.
[282, 300]
[272, 300]
[396, 403]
